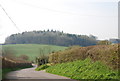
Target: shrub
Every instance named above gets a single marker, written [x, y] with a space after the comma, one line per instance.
[43, 59]
[107, 54]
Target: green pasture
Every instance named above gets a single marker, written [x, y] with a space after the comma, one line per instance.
[32, 50]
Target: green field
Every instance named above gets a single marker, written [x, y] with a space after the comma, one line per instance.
[32, 50]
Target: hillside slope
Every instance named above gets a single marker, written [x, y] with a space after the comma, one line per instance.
[32, 50]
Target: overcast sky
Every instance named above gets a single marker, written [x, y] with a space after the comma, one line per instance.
[96, 17]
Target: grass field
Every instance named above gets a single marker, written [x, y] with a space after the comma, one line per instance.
[32, 50]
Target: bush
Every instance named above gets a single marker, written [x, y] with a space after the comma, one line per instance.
[43, 59]
[107, 54]
[42, 67]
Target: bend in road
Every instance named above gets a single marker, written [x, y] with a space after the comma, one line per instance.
[30, 73]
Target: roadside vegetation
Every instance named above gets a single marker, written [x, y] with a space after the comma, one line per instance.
[92, 62]
[83, 69]
[42, 67]
[107, 54]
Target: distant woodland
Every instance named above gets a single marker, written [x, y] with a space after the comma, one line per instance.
[51, 37]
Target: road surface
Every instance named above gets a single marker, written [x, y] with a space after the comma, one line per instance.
[33, 75]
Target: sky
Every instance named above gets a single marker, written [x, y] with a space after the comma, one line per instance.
[83, 17]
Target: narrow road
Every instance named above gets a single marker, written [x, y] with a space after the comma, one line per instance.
[33, 75]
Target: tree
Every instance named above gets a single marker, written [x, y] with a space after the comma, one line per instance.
[43, 59]
[48, 30]
[92, 36]
[52, 38]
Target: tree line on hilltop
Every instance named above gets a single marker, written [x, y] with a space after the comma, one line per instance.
[51, 37]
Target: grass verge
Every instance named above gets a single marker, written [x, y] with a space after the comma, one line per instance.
[84, 69]
[42, 67]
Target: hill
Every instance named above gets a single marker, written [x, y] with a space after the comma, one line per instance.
[51, 38]
[32, 50]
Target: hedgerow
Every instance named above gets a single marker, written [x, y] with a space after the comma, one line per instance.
[107, 54]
